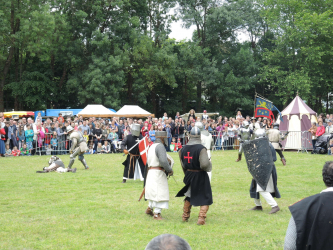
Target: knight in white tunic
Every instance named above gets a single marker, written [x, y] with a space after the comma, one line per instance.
[275, 136]
[207, 141]
[157, 189]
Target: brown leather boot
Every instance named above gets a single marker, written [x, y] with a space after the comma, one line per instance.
[274, 210]
[202, 215]
[283, 161]
[124, 181]
[257, 208]
[186, 210]
[157, 217]
[239, 158]
[149, 211]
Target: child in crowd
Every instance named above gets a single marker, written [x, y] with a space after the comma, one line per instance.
[21, 136]
[173, 145]
[113, 137]
[85, 135]
[54, 142]
[150, 142]
[29, 135]
[49, 150]
[179, 145]
[106, 148]
[99, 148]
[15, 151]
[25, 150]
[91, 149]
[8, 151]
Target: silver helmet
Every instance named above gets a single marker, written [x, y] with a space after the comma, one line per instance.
[246, 124]
[161, 134]
[199, 125]
[195, 131]
[135, 129]
[69, 129]
[260, 133]
[276, 126]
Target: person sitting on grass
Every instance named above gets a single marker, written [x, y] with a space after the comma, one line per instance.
[168, 241]
[15, 151]
[105, 148]
[8, 151]
[24, 150]
[179, 145]
[91, 149]
[99, 148]
[173, 145]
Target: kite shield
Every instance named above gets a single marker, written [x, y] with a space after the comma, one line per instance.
[259, 160]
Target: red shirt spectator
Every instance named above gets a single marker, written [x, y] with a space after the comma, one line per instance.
[61, 119]
[320, 129]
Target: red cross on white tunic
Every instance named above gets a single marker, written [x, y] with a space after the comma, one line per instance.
[188, 157]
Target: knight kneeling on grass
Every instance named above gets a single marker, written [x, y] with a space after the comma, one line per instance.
[56, 164]
[159, 168]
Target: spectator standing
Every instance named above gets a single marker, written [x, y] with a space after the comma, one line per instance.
[127, 131]
[165, 116]
[181, 131]
[177, 115]
[29, 135]
[40, 135]
[38, 117]
[152, 134]
[121, 128]
[204, 115]
[219, 135]
[239, 115]
[61, 135]
[231, 135]
[313, 131]
[329, 128]
[98, 136]
[167, 128]
[2, 142]
[61, 119]
[21, 136]
[191, 116]
[12, 131]
[2, 124]
[54, 143]
[145, 130]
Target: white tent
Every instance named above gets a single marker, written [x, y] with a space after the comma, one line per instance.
[96, 110]
[297, 118]
[133, 111]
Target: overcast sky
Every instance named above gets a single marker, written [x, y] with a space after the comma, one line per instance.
[180, 33]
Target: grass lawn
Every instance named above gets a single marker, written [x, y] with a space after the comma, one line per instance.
[92, 209]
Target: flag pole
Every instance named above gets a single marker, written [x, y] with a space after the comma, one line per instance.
[254, 104]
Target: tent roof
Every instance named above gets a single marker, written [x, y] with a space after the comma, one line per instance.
[298, 107]
[96, 110]
[133, 111]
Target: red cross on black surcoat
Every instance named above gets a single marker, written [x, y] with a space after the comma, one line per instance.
[188, 157]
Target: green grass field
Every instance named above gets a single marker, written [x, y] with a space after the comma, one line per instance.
[92, 209]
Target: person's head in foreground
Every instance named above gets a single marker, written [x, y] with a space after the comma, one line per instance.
[168, 242]
[328, 174]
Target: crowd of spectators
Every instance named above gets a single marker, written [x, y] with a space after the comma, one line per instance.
[28, 136]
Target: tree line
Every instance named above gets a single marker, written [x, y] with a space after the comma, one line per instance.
[60, 53]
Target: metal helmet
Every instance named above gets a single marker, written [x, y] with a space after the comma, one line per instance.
[195, 131]
[199, 125]
[163, 134]
[246, 124]
[260, 133]
[69, 129]
[52, 159]
[276, 126]
[135, 129]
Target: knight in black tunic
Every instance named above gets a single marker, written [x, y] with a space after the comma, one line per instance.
[134, 167]
[195, 163]
[311, 222]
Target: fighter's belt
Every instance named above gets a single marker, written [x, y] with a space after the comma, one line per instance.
[132, 163]
[195, 170]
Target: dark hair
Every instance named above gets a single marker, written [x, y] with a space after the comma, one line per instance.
[328, 173]
[168, 241]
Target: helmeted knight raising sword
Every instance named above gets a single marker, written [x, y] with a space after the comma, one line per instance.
[79, 147]
[207, 141]
[260, 156]
[275, 136]
[244, 135]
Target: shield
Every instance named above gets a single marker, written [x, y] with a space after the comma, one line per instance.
[259, 160]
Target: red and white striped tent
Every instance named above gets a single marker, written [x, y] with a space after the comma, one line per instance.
[297, 118]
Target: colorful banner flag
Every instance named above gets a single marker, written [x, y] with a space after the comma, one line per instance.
[262, 112]
[267, 106]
